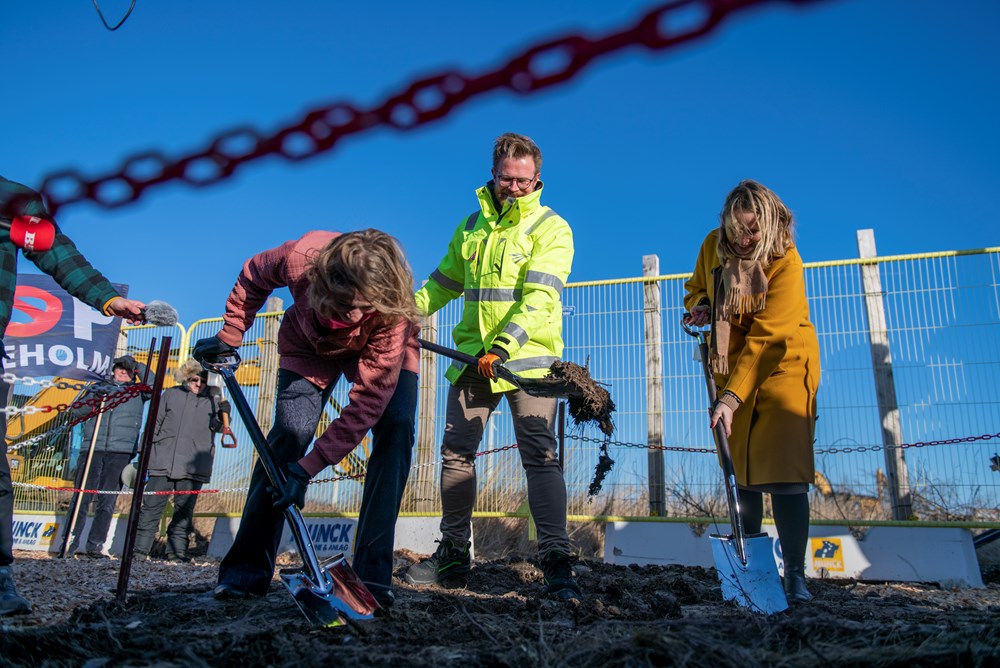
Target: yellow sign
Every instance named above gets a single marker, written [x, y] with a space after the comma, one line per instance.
[827, 553]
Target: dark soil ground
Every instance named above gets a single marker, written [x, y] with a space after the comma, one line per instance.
[629, 616]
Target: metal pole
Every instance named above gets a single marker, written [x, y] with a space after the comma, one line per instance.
[78, 496]
[654, 386]
[140, 477]
[885, 386]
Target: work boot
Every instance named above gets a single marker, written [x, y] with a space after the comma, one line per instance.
[560, 583]
[448, 566]
[795, 586]
[11, 603]
[230, 592]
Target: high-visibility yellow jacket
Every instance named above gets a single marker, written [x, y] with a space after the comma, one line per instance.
[511, 266]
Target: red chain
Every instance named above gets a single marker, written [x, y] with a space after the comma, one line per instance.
[118, 399]
[423, 101]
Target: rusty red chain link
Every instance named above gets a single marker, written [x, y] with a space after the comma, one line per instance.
[113, 399]
[423, 101]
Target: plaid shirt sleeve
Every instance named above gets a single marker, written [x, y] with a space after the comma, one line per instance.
[63, 261]
[73, 272]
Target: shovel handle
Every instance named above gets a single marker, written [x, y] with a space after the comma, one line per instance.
[457, 355]
[225, 365]
[721, 441]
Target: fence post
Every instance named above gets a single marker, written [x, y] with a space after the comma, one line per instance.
[268, 347]
[885, 385]
[654, 386]
[424, 498]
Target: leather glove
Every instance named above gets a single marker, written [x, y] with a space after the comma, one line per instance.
[210, 347]
[296, 483]
[487, 364]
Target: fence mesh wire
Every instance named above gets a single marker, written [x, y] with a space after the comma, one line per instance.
[942, 316]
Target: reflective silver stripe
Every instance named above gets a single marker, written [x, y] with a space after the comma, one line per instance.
[492, 295]
[516, 331]
[529, 363]
[542, 278]
[455, 364]
[545, 216]
[470, 222]
[446, 283]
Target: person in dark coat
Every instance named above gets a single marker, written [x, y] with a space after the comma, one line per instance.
[117, 437]
[181, 461]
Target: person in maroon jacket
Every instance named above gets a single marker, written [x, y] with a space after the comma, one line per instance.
[353, 316]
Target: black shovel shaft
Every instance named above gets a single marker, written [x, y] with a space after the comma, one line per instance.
[457, 355]
[722, 441]
[225, 367]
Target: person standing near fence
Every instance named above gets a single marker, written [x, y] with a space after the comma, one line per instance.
[748, 283]
[26, 226]
[353, 317]
[190, 415]
[510, 259]
[115, 444]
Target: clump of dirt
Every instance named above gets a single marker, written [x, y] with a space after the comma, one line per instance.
[589, 401]
[601, 471]
[628, 616]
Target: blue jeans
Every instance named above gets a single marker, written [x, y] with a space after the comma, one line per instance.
[249, 564]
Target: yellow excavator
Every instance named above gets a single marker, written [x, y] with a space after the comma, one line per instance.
[23, 426]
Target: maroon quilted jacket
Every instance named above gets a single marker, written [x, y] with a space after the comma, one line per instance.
[369, 355]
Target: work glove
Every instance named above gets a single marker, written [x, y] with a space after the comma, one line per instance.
[295, 488]
[210, 348]
[488, 364]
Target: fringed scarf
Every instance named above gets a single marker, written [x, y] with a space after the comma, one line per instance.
[741, 288]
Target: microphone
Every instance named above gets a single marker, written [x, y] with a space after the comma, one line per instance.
[32, 233]
[160, 313]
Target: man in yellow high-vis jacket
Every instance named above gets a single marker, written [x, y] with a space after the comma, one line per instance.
[510, 259]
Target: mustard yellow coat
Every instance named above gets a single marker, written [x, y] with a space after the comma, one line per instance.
[773, 369]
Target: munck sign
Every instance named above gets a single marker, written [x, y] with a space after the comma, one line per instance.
[54, 334]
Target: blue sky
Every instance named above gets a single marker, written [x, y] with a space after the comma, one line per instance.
[859, 113]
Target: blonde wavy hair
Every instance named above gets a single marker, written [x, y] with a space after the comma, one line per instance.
[773, 217]
[511, 145]
[367, 263]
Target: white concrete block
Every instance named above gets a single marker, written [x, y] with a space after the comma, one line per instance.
[901, 554]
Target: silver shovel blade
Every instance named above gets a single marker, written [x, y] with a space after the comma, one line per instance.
[754, 585]
[343, 598]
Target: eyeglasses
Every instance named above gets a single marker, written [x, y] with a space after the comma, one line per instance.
[521, 182]
[195, 379]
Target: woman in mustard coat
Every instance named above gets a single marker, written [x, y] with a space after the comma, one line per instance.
[748, 283]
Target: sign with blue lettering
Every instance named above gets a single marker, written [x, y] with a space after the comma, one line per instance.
[54, 334]
[32, 534]
[329, 535]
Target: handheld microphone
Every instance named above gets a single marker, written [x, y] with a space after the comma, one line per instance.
[160, 313]
[32, 233]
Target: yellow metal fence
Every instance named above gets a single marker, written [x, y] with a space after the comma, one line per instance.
[940, 343]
